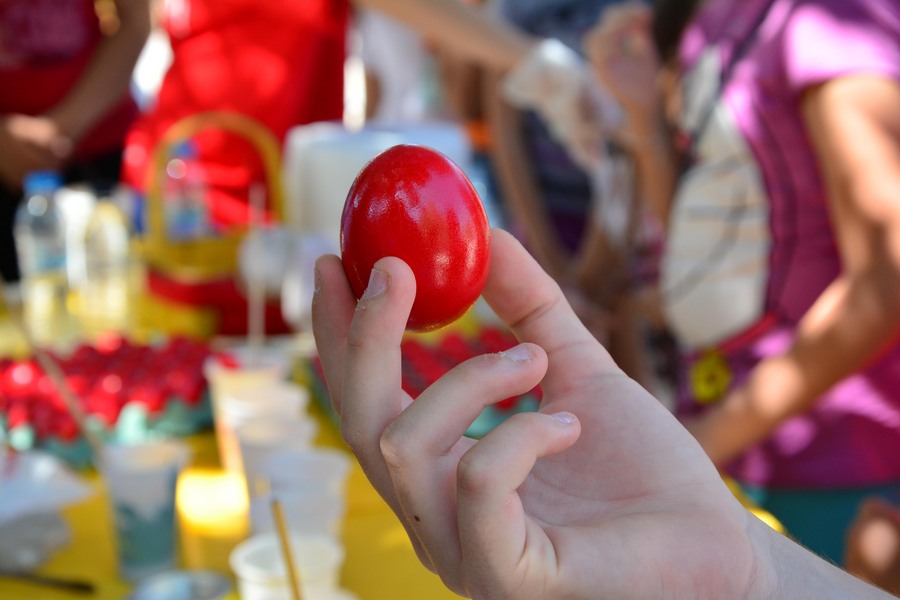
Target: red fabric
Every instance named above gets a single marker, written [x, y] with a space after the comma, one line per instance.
[45, 45]
[280, 63]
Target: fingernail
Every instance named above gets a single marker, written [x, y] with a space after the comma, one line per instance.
[378, 284]
[564, 417]
[521, 353]
[317, 281]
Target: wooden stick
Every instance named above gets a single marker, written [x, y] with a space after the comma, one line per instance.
[75, 586]
[284, 540]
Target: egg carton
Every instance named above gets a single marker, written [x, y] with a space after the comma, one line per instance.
[128, 392]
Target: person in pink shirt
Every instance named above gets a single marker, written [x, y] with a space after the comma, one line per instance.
[773, 160]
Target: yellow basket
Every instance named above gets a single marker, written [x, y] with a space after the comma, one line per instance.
[213, 257]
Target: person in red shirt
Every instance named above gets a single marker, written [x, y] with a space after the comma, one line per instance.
[64, 95]
[280, 64]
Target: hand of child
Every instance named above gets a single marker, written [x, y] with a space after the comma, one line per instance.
[600, 494]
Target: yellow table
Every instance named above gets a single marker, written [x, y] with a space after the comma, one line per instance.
[380, 564]
[380, 561]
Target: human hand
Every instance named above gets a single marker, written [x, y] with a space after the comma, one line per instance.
[600, 494]
[873, 545]
[595, 318]
[621, 52]
[557, 83]
[27, 144]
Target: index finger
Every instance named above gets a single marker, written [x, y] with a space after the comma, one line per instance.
[532, 304]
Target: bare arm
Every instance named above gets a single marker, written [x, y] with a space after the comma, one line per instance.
[109, 74]
[623, 57]
[465, 29]
[516, 179]
[798, 573]
[46, 141]
[856, 133]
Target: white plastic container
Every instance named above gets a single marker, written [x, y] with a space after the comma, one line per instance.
[307, 468]
[261, 438]
[311, 484]
[252, 373]
[322, 159]
[273, 402]
[140, 480]
[261, 574]
[313, 512]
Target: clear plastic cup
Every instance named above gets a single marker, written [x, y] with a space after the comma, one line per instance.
[258, 565]
[247, 368]
[245, 375]
[141, 480]
[276, 399]
[307, 468]
[263, 437]
[272, 401]
[311, 512]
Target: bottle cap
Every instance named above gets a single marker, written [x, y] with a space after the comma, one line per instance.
[41, 181]
[185, 149]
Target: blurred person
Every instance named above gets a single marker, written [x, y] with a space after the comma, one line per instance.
[555, 206]
[64, 94]
[285, 68]
[397, 66]
[873, 545]
[280, 64]
[772, 158]
[553, 223]
[600, 494]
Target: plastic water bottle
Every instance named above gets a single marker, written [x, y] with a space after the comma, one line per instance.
[41, 244]
[106, 291]
[184, 195]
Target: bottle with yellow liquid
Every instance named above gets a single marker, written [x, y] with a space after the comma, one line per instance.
[41, 245]
[106, 292]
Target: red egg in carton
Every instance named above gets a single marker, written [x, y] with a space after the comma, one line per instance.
[161, 387]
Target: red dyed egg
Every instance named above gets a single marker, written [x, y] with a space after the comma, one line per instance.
[414, 203]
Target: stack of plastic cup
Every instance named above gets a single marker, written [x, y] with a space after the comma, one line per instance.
[260, 438]
[252, 383]
[310, 483]
[279, 407]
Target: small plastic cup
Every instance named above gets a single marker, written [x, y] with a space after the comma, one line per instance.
[307, 468]
[277, 399]
[183, 585]
[264, 437]
[312, 512]
[273, 401]
[245, 369]
[141, 481]
[259, 567]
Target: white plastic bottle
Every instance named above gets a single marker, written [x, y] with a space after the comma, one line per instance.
[106, 292]
[41, 245]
